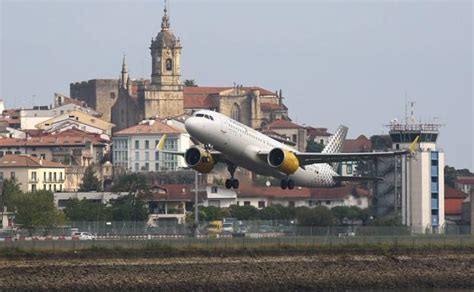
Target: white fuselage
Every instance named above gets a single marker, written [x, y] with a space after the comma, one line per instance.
[241, 144]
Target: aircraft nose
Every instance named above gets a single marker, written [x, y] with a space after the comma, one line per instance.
[192, 125]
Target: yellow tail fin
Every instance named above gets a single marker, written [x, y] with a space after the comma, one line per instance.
[412, 146]
[161, 144]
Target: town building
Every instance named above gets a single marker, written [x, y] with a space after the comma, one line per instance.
[33, 173]
[464, 183]
[69, 147]
[318, 135]
[220, 197]
[360, 144]
[62, 199]
[125, 102]
[291, 131]
[134, 148]
[76, 120]
[261, 197]
[453, 204]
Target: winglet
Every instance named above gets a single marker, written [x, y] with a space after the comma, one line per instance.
[412, 147]
[161, 144]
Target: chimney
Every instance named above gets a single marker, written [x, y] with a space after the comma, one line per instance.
[41, 160]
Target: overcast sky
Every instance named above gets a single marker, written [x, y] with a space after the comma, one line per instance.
[337, 62]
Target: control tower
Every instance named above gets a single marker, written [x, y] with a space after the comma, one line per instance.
[419, 177]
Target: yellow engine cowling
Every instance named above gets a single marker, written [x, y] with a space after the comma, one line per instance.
[199, 159]
[286, 161]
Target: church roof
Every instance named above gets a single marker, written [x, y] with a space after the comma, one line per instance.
[283, 124]
[165, 38]
[268, 107]
[196, 97]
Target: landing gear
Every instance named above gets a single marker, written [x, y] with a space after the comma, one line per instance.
[287, 183]
[232, 182]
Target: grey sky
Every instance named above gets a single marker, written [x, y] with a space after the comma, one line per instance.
[337, 62]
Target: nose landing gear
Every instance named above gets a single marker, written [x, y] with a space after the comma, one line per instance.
[287, 183]
[232, 182]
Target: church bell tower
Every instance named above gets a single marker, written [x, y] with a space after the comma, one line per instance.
[163, 97]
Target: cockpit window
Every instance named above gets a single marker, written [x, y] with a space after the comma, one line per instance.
[205, 116]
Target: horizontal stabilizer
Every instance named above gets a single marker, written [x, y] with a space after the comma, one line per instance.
[340, 178]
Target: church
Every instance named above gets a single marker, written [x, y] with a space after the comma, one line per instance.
[125, 102]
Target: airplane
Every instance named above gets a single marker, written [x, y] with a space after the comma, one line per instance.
[230, 142]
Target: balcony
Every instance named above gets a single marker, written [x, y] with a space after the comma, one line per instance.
[33, 180]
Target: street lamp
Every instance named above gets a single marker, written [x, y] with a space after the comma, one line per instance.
[196, 214]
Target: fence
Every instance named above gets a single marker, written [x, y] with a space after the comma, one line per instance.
[247, 228]
[278, 243]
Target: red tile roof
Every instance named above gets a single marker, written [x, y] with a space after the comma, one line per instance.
[11, 160]
[466, 180]
[283, 124]
[453, 206]
[66, 138]
[149, 127]
[361, 144]
[313, 132]
[452, 193]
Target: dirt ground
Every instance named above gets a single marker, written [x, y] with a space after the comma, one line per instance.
[262, 273]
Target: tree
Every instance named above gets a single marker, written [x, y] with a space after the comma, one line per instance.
[11, 190]
[312, 146]
[277, 212]
[86, 210]
[243, 212]
[90, 182]
[190, 83]
[129, 208]
[319, 216]
[37, 210]
[350, 213]
[381, 142]
[451, 173]
[134, 184]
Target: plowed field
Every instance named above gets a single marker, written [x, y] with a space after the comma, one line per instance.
[312, 272]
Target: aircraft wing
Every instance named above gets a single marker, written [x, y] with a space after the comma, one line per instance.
[312, 158]
[218, 156]
[307, 158]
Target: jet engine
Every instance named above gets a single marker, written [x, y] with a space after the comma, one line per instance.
[284, 160]
[199, 159]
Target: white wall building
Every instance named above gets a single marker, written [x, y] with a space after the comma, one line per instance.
[261, 197]
[134, 148]
[220, 197]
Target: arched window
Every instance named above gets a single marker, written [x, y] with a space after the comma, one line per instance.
[235, 112]
[169, 64]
